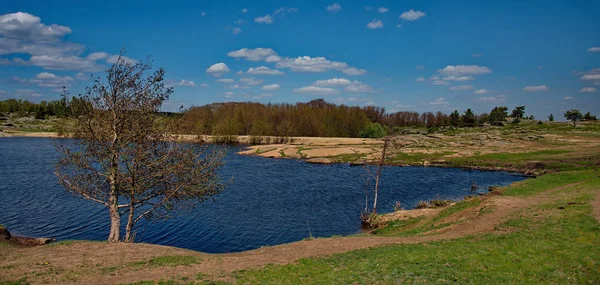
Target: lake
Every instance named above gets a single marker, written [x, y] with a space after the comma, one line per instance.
[269, 201]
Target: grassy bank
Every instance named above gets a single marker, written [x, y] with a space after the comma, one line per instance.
[552, 239]
[554, 242]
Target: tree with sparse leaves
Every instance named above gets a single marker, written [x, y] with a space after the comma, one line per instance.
[573, 116]
[125, 160]
[551, 118]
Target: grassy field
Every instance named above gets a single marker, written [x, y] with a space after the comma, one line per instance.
[551, 243]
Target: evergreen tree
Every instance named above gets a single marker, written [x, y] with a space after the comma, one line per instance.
[498, 116]
[455, 119]
[469, 119]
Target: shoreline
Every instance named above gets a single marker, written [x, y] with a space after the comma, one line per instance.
[326, 150]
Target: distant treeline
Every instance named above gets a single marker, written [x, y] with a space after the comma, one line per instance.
[315, 118]
[62, 108]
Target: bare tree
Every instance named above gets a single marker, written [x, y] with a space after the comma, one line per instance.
[125, 160]
[374, 173]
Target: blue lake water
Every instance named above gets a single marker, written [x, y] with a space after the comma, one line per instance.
[269, 202]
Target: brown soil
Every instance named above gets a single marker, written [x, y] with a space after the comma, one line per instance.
[87, 262]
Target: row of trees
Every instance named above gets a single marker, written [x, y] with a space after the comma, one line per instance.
[319, 118]
[315, 118]
[575, 115]
[58, 108]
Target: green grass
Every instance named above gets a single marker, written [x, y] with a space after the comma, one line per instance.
[22, 281]
[547, 245]
[552, 160]
[546, 182]
[348, 157]
[174, 281]
[129, 266]
[398, 226]
[174, 260]
[465, 204]
[63, 243]
[407, 227]
[419, 157]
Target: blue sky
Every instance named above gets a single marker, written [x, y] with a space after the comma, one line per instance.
[402, 55]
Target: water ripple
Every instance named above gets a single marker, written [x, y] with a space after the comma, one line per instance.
[271, 201]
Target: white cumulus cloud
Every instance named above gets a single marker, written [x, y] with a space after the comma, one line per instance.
[412, 15]
[218, 69]
[46, 79]
[383, 10]
[375, 24]
[481, 91]
[594, 49]
[271, 87]
[332, 82]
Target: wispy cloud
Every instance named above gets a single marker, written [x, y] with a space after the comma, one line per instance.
[335, 7]
[375, 24]
[264, 20]
[536, 88]
[315, 90]
[412, 15]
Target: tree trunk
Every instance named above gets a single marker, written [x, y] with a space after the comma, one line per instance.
[113, 203]
[375, 195]
[115, 221]
[128, 234]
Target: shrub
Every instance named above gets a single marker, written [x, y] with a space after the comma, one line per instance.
[422, 205]
[373, 130]
[436, 203]
[398, 206]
